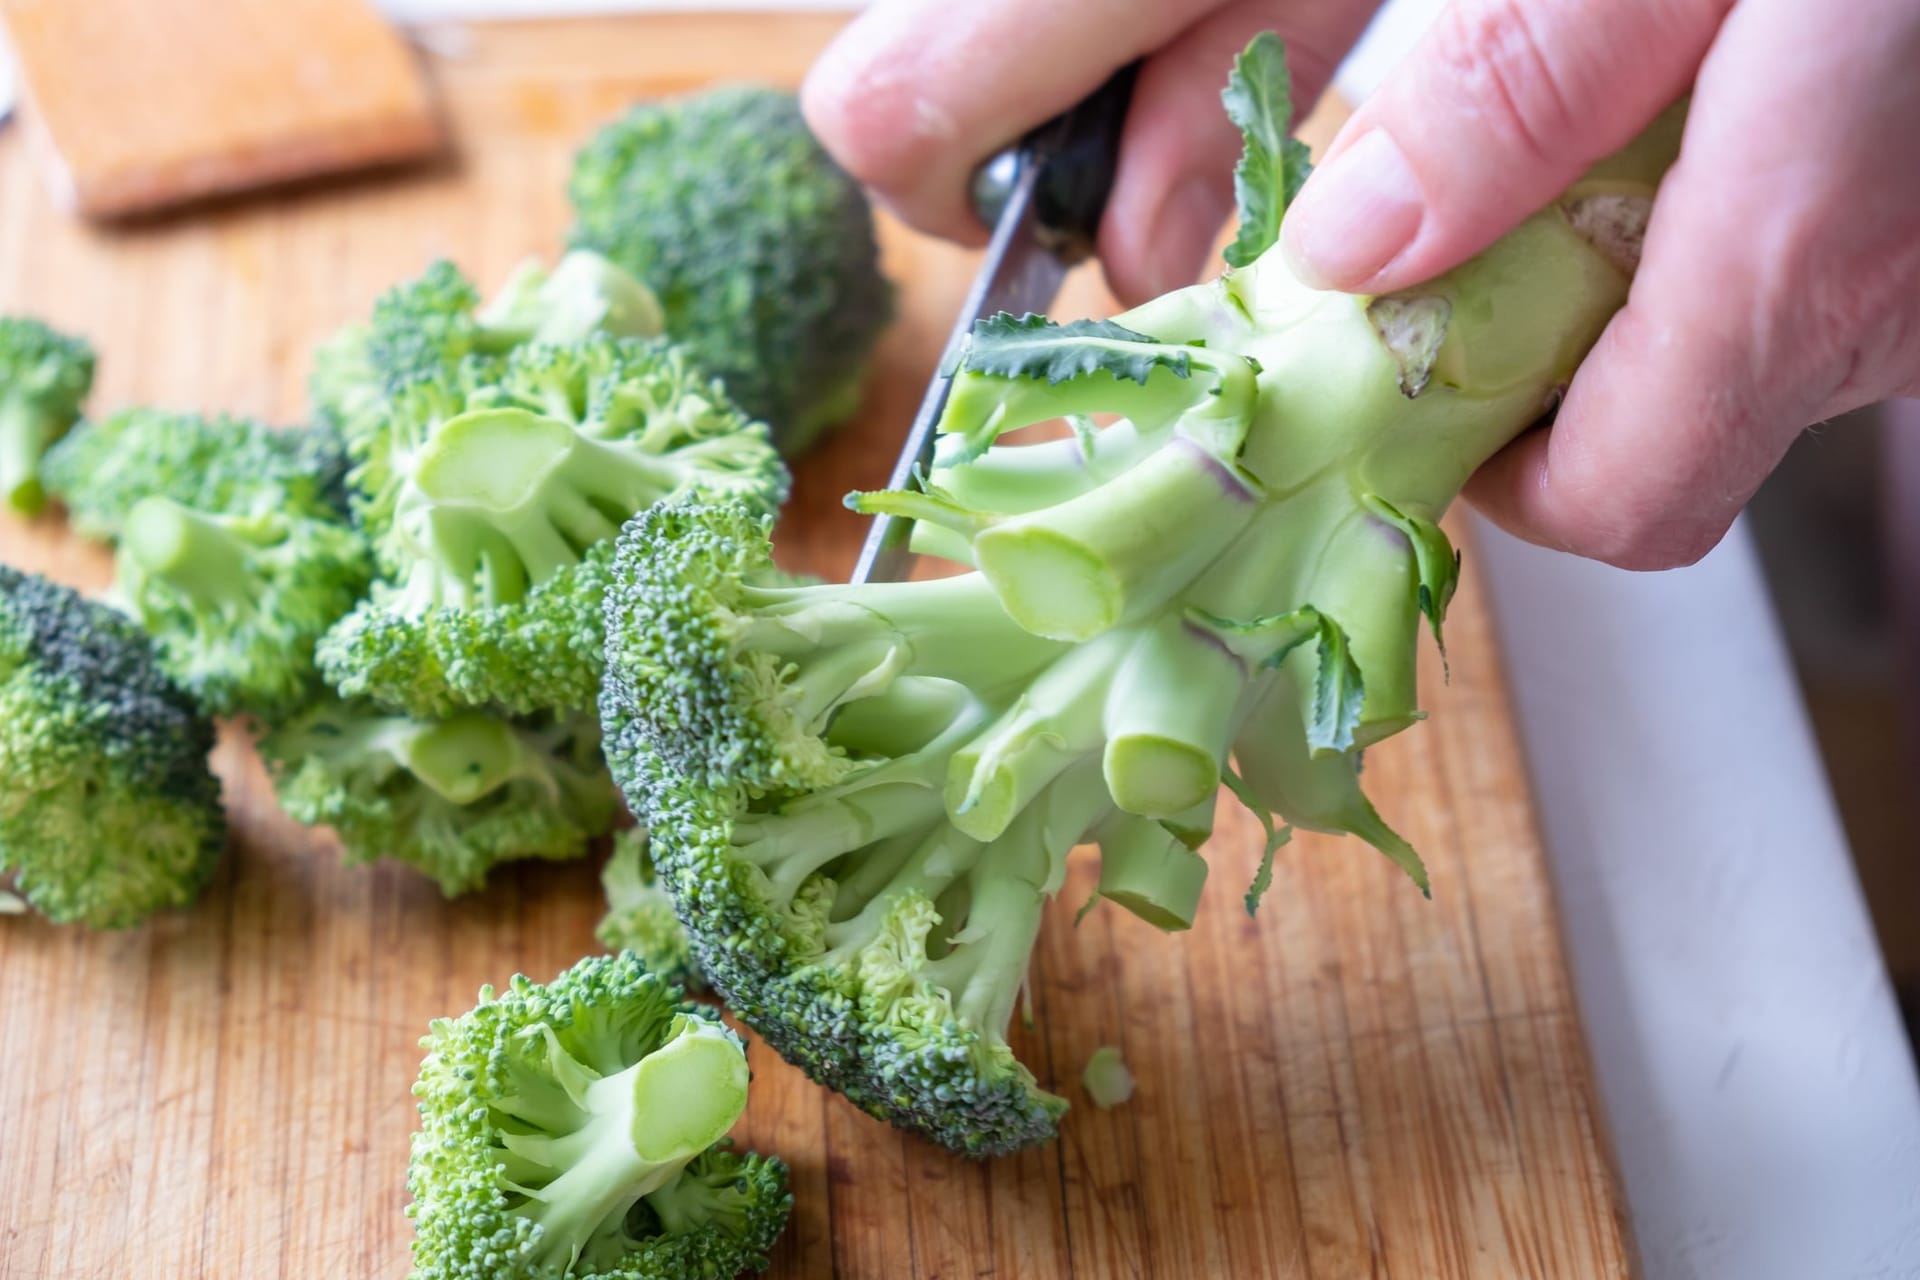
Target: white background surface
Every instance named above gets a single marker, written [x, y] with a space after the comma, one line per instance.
[1759, 1092]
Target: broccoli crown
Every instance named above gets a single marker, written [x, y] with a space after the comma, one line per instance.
[576, 1130]
[640, 915]
[224, 465]
[759, 247]
[450, 798]
[494, 497]
[235, 603]
[427, 327]
[44, 378]
[861, 797]
[108, 811]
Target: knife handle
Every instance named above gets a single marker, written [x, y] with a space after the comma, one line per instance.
[1077, 152]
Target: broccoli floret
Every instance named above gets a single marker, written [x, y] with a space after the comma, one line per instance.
[427, 327]
[450, 798]
[235, 603]
[493, 500]
[640, 914]
[108, 811]
[759, 247]
[44, 378]
[861, 797]
[233, 466]
[577, 1129]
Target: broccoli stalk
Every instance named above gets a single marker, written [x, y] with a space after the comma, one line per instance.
[44, 378]
[861, 797]
[108, 811]
[451, 798]
[577, 1129]
[494, 500]
[235, 603]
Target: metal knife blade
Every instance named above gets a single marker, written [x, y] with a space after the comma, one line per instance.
[1044, 199]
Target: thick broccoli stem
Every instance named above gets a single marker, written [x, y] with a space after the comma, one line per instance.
[26, 430]
[1149, 871]
[1054, 724]
[952, 629]
[631, 1134]
[203, 557]
[1169, 718]
[1118, 553]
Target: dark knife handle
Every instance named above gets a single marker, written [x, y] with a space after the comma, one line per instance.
[1077, 152]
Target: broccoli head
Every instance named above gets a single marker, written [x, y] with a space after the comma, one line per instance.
[428, 326]
[235, 603]
[232, 466]
[450, 798]
[44, 378]
[861, 797]
[759, 247]
[577, 1129]
[640, 914]
[108, 811]
[493, 499]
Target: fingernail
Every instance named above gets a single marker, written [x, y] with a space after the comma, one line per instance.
[1354, 216]
[1183, 235]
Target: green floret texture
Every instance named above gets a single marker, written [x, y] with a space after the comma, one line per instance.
[576, 1131]
[640, 916]
[227, 465]
[861, 798]
[428, 326]
[451, 798]
[236, 603]
[44, 378]
[108, 811]
[759, 247]
[493, 498]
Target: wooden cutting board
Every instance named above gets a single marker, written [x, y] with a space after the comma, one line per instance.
[1358, 1083]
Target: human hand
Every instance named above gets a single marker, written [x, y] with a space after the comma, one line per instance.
[916, 93]
[1780, 280]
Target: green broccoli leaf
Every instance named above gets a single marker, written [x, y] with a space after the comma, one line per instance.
[1259, 101]
[1031, 346]
[1434, 558]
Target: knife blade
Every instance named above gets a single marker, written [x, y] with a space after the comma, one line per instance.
[1043, 199]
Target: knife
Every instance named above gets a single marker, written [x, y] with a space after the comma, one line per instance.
[1043, 197]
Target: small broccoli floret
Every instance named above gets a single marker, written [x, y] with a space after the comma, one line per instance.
[235, 603]
[232, 466]
[108, 811]
[577, 1130]
[759, 247]
[450, 798]
[427, 327]
[44, 378]
[640, 914]
[494, 502]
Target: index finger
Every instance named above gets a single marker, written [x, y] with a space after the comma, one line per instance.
[914, 94]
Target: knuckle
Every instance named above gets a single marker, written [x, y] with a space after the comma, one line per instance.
[1492, 55]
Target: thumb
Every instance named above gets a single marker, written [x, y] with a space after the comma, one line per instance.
[1497, 110]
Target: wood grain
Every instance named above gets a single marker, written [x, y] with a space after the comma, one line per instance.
[1359, 1083]
[139, 105]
